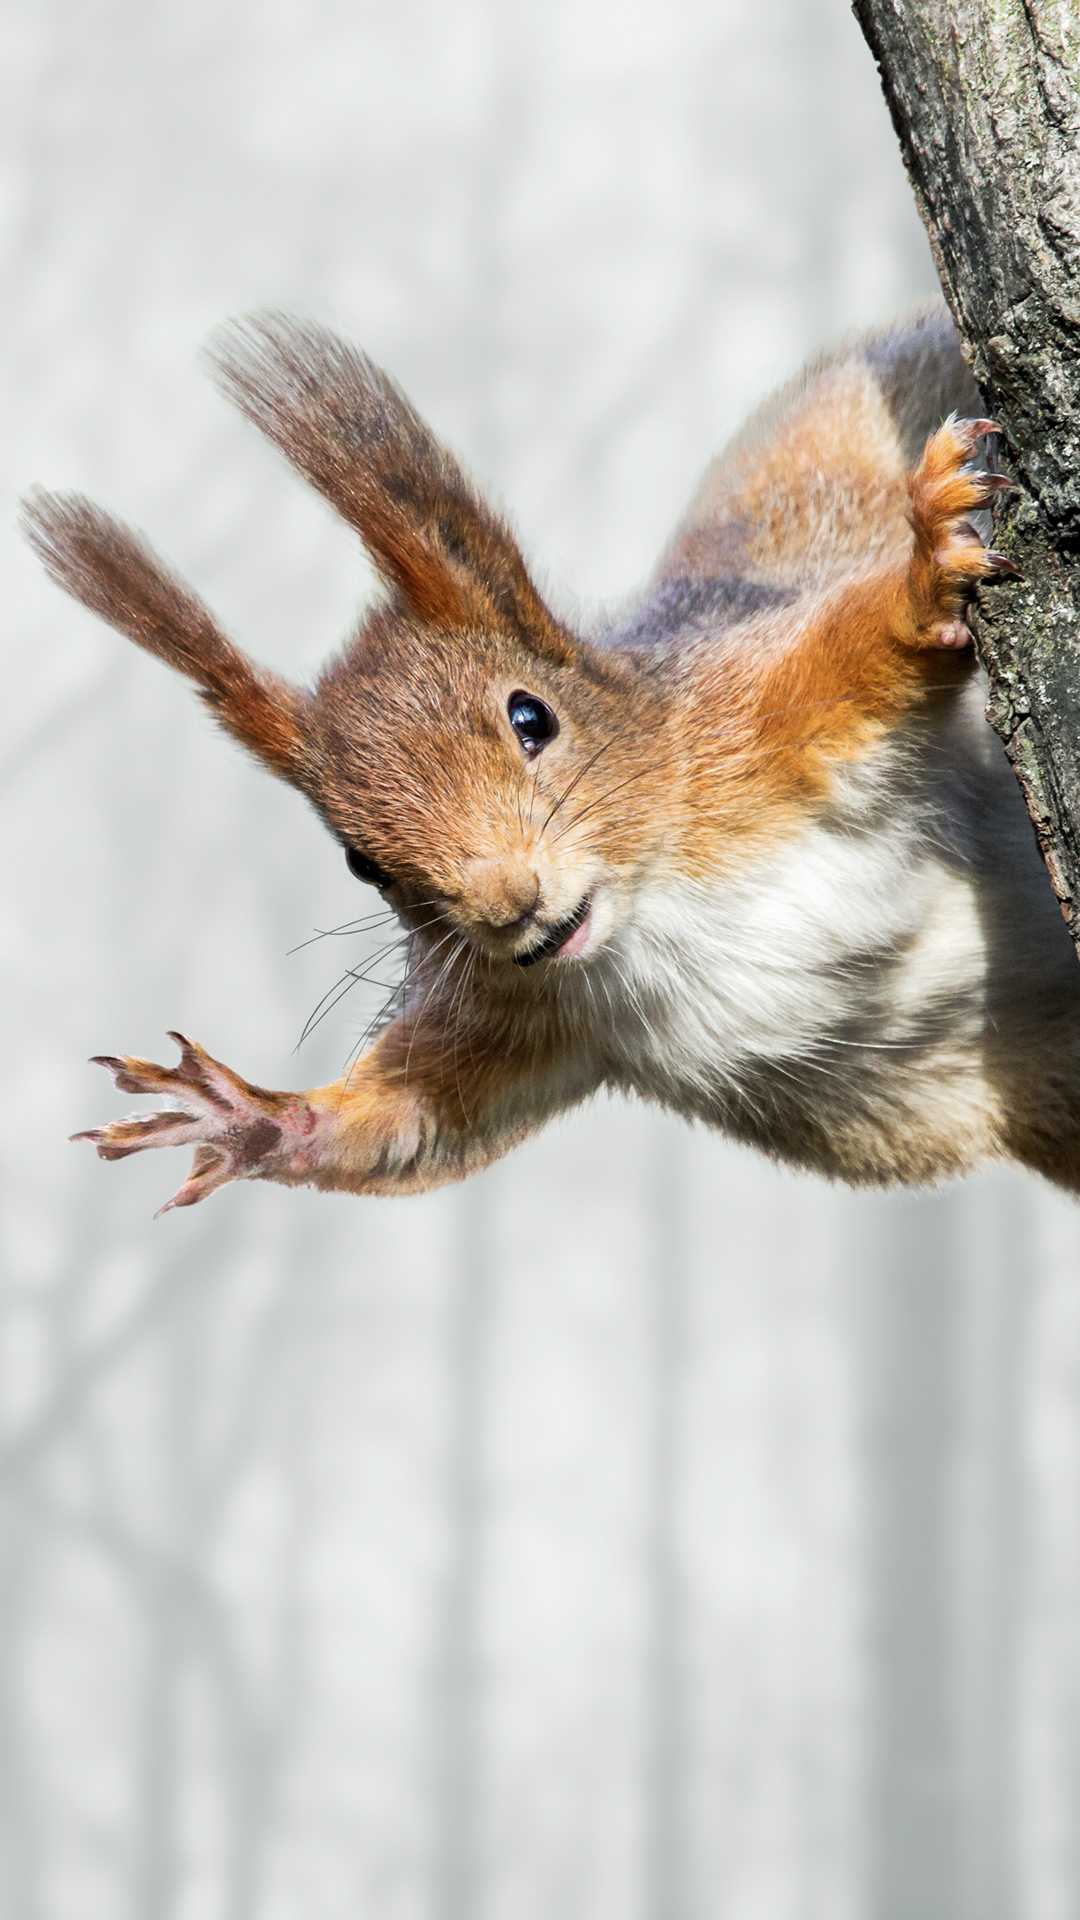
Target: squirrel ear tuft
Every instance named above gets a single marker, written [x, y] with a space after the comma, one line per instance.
[351, 432]
[100, 562]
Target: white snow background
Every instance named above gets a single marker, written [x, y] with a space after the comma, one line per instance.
[637, 1533]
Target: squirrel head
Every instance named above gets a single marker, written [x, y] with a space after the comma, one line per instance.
[471, 754]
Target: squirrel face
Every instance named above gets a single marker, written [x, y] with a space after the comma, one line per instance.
[471, 782]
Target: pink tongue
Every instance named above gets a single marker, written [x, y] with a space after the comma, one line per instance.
[577, 939]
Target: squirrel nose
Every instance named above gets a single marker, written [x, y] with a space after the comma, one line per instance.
[500, 891]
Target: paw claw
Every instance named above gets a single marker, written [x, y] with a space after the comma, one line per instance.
[191, 1054]
[209, 1170]
[949, 558]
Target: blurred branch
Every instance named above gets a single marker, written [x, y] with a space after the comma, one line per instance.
[984, 98]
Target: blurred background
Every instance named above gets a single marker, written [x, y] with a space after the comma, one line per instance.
[638, 1532]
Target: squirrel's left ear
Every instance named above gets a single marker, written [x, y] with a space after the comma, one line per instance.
[100, 562]
[351, 432]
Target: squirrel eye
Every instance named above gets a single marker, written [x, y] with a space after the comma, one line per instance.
[365, 868]
[532, 721]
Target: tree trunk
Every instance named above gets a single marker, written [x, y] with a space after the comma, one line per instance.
[985, 96]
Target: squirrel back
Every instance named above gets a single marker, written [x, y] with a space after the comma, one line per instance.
[812, 488]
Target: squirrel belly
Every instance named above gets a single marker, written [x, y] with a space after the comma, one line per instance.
[750, 850]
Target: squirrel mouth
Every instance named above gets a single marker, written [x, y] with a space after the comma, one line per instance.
[558, 936]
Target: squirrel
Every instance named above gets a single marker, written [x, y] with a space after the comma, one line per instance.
[748, 849]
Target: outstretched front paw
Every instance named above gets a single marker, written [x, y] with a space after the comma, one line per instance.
[238, 1131]
[949, 558]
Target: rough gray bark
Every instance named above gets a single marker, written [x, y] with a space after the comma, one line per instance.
[985, 96]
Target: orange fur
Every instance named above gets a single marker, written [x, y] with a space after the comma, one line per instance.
[826, 679]
[804, 622]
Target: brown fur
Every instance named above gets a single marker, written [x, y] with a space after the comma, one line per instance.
[349, 430]
[807, 616]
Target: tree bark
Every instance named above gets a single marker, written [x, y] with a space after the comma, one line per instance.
[985, 97]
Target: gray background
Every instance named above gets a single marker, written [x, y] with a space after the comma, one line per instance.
[638, 1530]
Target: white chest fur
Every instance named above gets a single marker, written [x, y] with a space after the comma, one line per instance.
[837, 941]
[861, 961]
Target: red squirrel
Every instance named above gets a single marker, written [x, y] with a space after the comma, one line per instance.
[749, 850]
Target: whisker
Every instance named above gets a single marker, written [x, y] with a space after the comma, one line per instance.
[580, 815]
[579, 775]
[365, 925]
[432, 989]
[347, 981]
[456, 1005]
[355, 1052]
[346, 985]
[347, 928]
[329, 1001]
[533, 789]
[383, 1012]
[429, 954]
[348, 975]
[397, 991]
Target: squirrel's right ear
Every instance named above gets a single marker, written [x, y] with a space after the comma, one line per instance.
[101, 563]
[352, 433]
